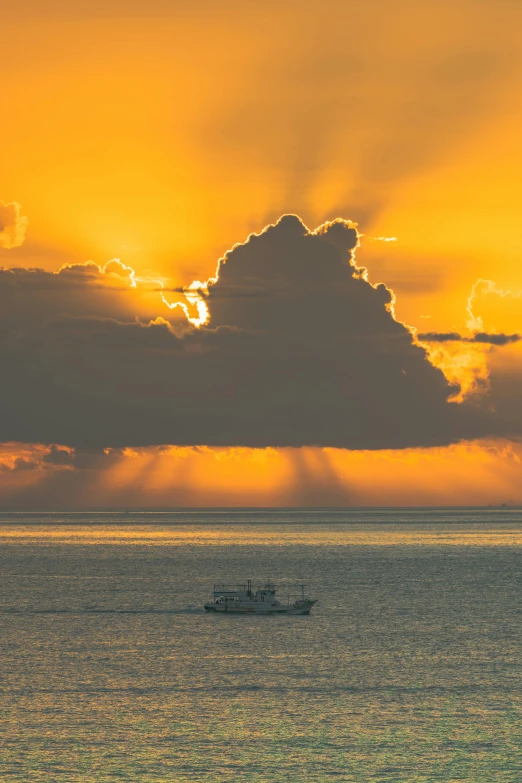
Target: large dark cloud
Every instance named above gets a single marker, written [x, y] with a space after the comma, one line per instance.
[300, 350]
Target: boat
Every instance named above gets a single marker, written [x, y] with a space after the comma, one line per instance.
[242, 599]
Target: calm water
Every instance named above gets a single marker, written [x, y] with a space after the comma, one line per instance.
[408, 669]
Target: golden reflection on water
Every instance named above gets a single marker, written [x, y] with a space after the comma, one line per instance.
[477, 535]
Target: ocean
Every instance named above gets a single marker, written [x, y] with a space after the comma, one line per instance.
[408, 668]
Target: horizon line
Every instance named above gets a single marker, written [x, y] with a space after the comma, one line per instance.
[261, 509]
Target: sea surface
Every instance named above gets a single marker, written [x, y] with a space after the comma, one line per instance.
[408, 668]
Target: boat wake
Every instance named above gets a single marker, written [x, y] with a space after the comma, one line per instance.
[99, 610]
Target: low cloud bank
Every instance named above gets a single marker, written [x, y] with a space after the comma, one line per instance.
[479, 337]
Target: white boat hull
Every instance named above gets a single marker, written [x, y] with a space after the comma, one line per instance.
[259, 608]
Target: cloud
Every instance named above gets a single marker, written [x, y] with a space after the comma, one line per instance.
[13, 225]
[300, 349]
[468, 359]
[19, 464]
[493, 305]
[55, 459]
[31, 296]
[59, 456]
[479, 337]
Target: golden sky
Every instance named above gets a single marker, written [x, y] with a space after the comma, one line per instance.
[164, 133]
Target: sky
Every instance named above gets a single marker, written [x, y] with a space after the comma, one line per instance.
[260, 254]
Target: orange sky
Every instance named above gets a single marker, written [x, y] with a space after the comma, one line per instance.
[162, 134]
[466, 474]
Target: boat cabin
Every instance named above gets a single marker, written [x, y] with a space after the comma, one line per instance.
[266, 594]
